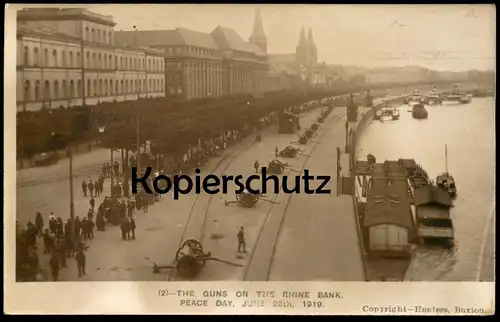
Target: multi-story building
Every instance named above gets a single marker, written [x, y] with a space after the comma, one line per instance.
[205, 65]
[58, 48]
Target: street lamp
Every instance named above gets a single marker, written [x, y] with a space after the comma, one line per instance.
[69, 153]
[102, 130]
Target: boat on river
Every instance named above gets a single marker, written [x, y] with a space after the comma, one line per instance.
[455, 95]
[445, 181]
[432, 212]
[419, 112]
[415, 98]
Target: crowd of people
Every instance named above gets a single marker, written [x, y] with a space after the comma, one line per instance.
[62, 241]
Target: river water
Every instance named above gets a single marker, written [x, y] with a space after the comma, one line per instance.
[468, 130]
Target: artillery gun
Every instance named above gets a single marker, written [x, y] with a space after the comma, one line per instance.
[190, 259]
[248, 200]
[277, 167]
[289, 152]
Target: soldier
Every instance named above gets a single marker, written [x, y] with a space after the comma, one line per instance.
[241, 240]
[125, 229]
[256, 166]
[39, 223]
[132, 226]
[52, 223]
[92, 202]
[80, 261]
[78, 226]
[84, 188]
[54, 265]
[91, 186]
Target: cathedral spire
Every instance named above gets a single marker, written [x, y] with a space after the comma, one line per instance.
[258, 28]
[310, 40]
[302, 40]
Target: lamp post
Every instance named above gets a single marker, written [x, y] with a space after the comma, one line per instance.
[112, 170]
[69, 153]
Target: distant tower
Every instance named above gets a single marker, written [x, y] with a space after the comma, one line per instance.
[258, 37]
[312, 52]
[301, 50]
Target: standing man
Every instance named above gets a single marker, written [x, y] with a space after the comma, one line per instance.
[80, 261]
[256, 166]
[90, 185]
[276, 150]
[241, 241]
[84, 188]
[92, 203]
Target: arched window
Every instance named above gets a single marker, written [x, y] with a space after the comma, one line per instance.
[79, 88]
[26, 56]
[110, 62]
[71, 62]
[109, 38]
[35, 56]
[95, 88]
[56, 90]
[27, 91]
[54, 56]
[87, 34]
[46, 90]
[87, 61]
[64, 89]
[149, 64]
[126, 87]
[89, 88]
[46, 57]
[126, 63]
[101, 88]
[106, 86]
[78, 62]
[93, 64]
[99, 61]
[93, 35]
[116, 62]
[72, 91]
[111, 87]
[136, 86]
[122, 88]
[37, 90]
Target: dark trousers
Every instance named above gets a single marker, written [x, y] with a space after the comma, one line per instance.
[241, 244]
[81, 268]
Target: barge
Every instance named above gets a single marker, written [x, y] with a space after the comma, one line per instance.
[398, 208]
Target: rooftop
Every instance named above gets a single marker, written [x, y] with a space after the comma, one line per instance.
[431, 195]
[388, 204]
[34, 14]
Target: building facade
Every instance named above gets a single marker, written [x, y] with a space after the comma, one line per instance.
[215, 64]
[71, 57]
[68, 57]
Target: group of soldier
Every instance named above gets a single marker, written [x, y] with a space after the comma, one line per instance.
[60, 242]
[63, 240]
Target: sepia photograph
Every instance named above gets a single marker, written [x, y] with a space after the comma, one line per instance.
[251, 143]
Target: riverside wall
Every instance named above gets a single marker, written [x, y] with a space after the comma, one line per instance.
[364, 118]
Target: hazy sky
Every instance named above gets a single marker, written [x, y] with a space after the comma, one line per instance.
[444, 37]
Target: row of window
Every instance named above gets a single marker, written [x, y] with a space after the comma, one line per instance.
[105, 61]
[65, 90]
[96, 35]
[206, 52]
